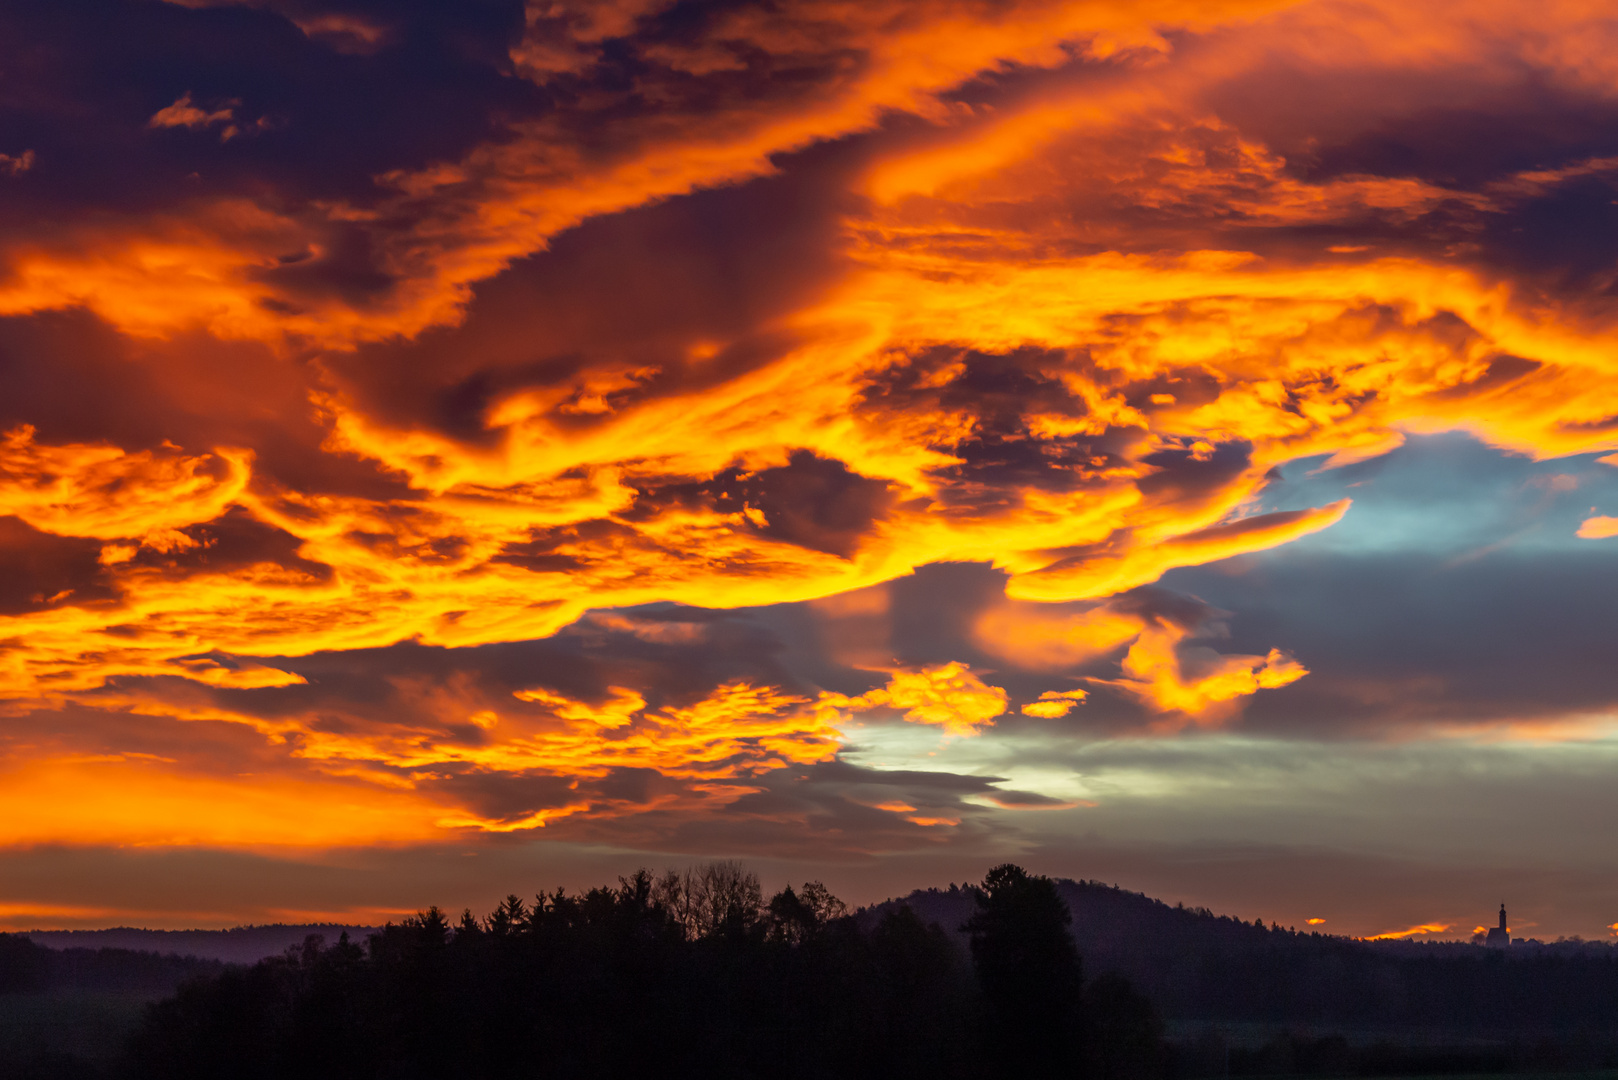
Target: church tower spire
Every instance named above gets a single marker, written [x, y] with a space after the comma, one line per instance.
[1500, 936]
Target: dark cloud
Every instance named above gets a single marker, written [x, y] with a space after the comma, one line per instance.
[507, 796]
[1534, 148]
[39, 571]
[827, 804]
[364, 684]
[1502, 371]
[810, 501]
[992, 396]
[348, 268]
[540, 555]
[681, 294]
[86, 76]
[1461, 596]
[1408, 639]
[1026, 800]
[1160, 604]
[933, 610]
[231, 542]
[74, 379]
[1566, 236]
[674, 656]
[1190, 475]
[1532, 127]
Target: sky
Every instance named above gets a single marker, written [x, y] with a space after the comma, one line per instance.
[449, 449]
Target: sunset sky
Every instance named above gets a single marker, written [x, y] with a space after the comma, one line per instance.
[449, 448]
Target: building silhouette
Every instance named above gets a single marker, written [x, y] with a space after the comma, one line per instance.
[1499, 936]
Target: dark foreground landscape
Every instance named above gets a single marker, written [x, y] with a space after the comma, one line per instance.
[699, 975]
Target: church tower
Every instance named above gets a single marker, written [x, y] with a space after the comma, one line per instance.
[1499, 937]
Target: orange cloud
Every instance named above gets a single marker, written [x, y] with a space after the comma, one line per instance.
[343, 32]
[1035, 636]
[1147, 356]
[949, 696]
[1598, 528]
[108, 493]
[1397, 935]
[737, 731]
[1106, 573]
[1071, 318]
[416, 776]
[1054, 704]
[130, 799]
[173, 274]
[545, 180]
[1161, 668]
[185, 114]
[1203, 687]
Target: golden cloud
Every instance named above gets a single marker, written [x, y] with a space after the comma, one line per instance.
[1077, 306]
[949, 695]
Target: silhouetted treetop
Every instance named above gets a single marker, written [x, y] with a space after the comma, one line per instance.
[1028, 968]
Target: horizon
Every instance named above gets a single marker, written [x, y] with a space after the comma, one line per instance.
[1426, 933]
[446, 446]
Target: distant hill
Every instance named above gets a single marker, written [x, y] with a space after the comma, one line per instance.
[240, 945]
[26, 967]
[1238, 999]
[79, 1003]
[77, 994]
[1202, 968]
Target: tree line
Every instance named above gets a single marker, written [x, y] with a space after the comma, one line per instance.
[696, 973]
[689, 974]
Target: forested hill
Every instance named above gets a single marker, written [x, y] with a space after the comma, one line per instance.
[239, 945]
[26, 967]
[1197, 966]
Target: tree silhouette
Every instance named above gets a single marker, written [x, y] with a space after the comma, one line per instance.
[1028, 967]
[688, 975]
